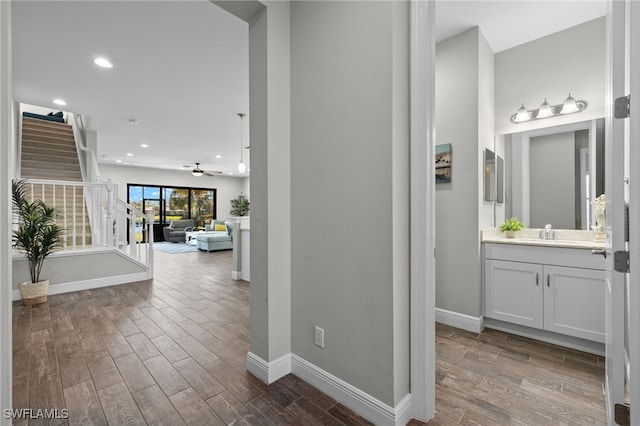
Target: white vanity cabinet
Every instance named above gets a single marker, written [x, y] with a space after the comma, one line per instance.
[555, 289]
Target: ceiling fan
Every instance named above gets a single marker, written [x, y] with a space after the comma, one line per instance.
[197, 171]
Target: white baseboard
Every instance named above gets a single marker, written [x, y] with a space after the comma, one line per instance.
[268, 372]
[90, 284]
[583, 345]
[458, 320]
[236, 275]
[359, 401]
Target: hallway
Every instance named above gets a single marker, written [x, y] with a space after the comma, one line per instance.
[169, 351]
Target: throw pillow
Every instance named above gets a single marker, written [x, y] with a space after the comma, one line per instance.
[220, 227]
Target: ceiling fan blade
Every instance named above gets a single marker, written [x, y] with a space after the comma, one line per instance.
[212, 173]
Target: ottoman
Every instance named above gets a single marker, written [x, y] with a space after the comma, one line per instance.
[211, 241]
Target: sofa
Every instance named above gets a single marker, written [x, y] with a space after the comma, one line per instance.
[215, 238]
[177, 230]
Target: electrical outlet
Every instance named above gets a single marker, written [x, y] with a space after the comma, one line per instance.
[319, 337]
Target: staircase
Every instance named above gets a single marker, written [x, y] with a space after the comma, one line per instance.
[49, 152]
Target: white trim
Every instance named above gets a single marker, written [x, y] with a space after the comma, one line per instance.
[583, 345]
[236, 275]
[268, 372]
[458, 320]
[422, 211]
[359, 401]
[90, 284]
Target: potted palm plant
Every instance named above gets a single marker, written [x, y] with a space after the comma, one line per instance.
[37, 236]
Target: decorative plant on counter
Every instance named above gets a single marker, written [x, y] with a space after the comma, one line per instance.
[37, 235]
[511, 226]
[240, 206]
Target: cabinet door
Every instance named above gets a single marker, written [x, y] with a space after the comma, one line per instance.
[513, 292]
[574, 302]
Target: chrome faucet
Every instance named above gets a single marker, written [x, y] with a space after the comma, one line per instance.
[548, 233]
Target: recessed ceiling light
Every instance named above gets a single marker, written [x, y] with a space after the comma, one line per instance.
[144, 145]
[102, 62]
[59, 102]
[129, 154]
[118, 161]
[218, 156]
[133, 121]
[230, 173]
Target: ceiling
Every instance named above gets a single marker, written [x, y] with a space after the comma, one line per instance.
[509, 23]
[181, 68]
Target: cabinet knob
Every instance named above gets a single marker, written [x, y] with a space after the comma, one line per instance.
[537, 278]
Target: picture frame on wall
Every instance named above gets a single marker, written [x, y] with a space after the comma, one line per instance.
[443, 163]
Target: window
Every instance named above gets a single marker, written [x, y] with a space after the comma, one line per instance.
[167, 203]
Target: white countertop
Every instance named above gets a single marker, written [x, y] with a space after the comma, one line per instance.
[564, 238]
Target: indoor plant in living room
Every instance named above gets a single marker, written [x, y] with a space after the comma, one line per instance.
[240, 206]
[37, 235]
[511, 226]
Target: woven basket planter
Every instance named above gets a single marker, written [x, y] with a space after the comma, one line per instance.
[34, 293]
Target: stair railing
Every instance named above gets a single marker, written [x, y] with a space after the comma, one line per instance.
[114, 223]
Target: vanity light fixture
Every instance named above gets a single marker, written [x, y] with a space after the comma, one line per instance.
[569, 106]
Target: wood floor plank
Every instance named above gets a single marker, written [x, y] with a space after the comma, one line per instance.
[169, 348]
[142, 346]
[119, 407]
[103, 370]
[43, 361]
[134, 373]
[116, 344]
[196, 350]
[156, 407]
[83, 405]
[193, 409]
[46, 394]
[198, 378]
[227, 406]
[148, 327]
[167, 377]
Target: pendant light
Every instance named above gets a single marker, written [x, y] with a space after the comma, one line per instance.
[241, 166]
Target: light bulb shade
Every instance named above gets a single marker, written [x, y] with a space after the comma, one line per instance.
[545, 110]
[522, 115]
[197, 172]
[242, 167]
[569, 106]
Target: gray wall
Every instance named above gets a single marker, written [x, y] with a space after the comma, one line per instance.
[552, 179]
[270, 99]
[349, 155]
[458, 278]
[227, 188]
[572, 60]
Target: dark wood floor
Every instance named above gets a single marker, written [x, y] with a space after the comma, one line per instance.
[173, 352]
[170, 351]
[496, 378]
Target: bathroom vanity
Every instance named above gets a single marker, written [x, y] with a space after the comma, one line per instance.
[552, 290]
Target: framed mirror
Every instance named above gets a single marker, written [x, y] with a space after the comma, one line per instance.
[489, 175]
[554, 175]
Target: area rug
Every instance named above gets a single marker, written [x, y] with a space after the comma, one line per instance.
[174, 248]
